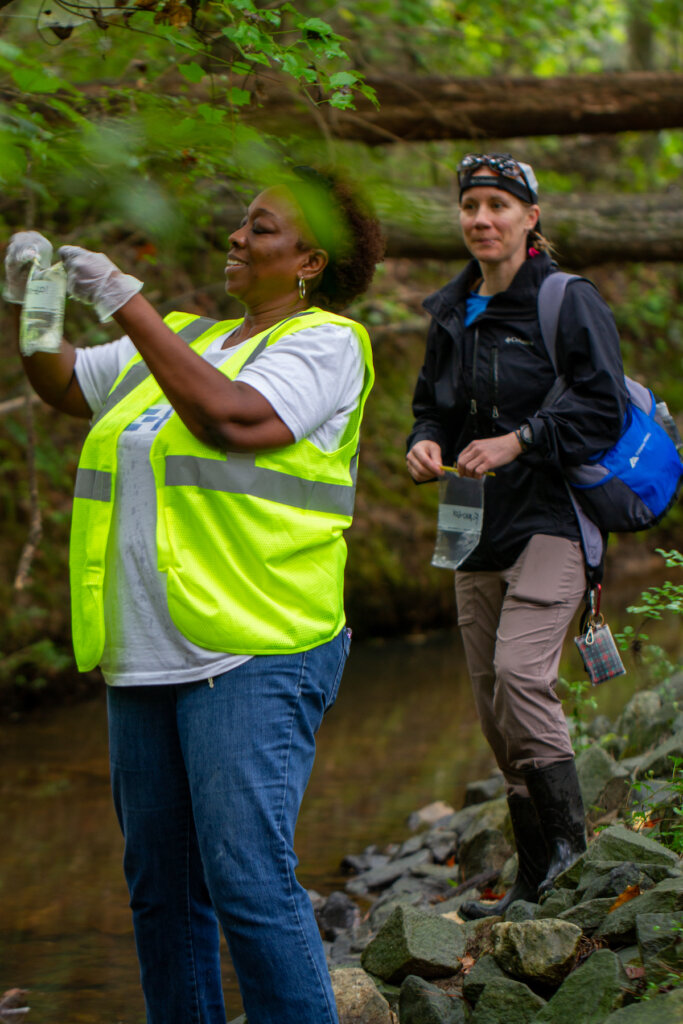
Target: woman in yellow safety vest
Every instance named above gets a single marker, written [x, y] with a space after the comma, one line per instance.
[207, 560]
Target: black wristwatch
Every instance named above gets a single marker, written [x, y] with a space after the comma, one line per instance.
[525, 436]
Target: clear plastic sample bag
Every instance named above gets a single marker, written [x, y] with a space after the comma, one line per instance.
[42, 315]
[461, 512]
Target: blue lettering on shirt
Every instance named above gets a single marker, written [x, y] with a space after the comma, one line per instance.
[152, 419]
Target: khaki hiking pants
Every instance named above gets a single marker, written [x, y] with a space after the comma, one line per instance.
[513, 625]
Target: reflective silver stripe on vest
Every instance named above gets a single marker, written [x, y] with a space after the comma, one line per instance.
[94, 484]
[239, 474]
[189, 333]
[140, 371]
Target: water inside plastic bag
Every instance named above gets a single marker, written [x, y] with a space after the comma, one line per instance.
[42, 315]
[461, 512]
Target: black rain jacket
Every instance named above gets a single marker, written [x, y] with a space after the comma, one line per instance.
[490, 377]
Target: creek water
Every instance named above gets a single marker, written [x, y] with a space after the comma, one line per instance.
[402, 734]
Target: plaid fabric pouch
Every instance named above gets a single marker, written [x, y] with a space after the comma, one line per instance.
[599, 653]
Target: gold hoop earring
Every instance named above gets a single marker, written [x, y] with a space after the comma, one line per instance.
[302, 288]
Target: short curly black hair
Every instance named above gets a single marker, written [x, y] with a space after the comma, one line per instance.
[341, 222]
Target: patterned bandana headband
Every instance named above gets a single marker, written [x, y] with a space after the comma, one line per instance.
[509, 175]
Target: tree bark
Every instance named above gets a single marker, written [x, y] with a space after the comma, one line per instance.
[586, 229]
[420, 108]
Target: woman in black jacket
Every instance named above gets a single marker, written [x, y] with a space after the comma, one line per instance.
[477, 405]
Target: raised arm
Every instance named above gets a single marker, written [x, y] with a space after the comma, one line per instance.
[225, 414]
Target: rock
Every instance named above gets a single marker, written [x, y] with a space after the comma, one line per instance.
[555, 902]
[592, 991]
[340, 953]
[539, 950]
[618, 843]
[442, 842]
[493, 814]
[660, 941]
[486, 850]
[440, 875]
[613, 744]
[337, 914]
[508, 1001]
[414, 942]
[666, 1009]
[460, 820]
[422, 1003]
[429, 815]
[358, 1001]
[672, 689]
[357, 863]
[378, 878]
[508, 873]
[619, 927]
[629, 956]
[520, 910]
[570, 878]
[406, 892]
[475, 981]
[600, 726]
[607, 878]
[655, 793]
[484, 789]
[411, 845]
[604, 783]
[634, 721]
[603, 880]
[589, 914]
[658, 762]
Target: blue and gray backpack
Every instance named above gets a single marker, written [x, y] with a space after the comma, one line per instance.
[631, 485]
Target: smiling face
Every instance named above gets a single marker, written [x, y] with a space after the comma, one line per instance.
[266, 258]
[495, 225]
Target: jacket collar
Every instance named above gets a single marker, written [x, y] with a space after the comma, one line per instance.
[443, 304]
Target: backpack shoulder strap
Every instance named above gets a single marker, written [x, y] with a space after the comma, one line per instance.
[550, 299]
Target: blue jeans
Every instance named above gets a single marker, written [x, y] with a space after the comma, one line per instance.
[207, 782]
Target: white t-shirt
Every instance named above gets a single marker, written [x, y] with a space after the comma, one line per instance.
[312, 379]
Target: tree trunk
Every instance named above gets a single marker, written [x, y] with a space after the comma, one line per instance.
[419, 108]
[585, 229]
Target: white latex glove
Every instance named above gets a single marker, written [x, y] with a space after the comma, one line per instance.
[91, 277]
[23, 249]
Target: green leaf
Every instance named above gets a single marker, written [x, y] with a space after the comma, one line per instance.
[30, 80]
[316, 26]
[212, 115]
[342, 78]
[341, 100]
[192, 71]
[239, 97]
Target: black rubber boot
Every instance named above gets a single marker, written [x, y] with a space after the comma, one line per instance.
[556, 795]
[532, 856]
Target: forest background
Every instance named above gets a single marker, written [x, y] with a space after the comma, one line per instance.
[142, 127]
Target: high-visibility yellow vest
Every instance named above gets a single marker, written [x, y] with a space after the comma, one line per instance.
[251, 544]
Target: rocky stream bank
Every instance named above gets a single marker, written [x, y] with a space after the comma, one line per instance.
[605, 946]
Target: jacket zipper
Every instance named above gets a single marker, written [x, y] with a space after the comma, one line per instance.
[475, 352]
[494, 383]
